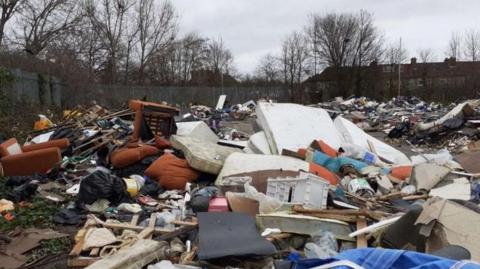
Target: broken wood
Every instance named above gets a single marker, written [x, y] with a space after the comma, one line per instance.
[81, 261]
[361, 239]
[348, 214]
[415, 197]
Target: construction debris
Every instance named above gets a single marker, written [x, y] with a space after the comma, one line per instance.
[310, 185]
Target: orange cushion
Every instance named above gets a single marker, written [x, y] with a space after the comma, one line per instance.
[56, 143]
[127, 156]
[162, 143]
[302, 153]
[171, 172]
[5, 146]
[28, 163]
[401, 172]
[325, 148]
[323, 173]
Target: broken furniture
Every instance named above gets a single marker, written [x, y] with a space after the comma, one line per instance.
[152, 119]
[26, 160]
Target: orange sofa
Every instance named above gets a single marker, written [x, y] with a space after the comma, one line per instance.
[19, 160]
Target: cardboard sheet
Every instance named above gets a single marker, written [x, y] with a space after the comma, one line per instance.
[448, 223]
[458, 188]
[12, 254]
[469, 161]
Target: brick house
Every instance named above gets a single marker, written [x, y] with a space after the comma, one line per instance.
[440, 81]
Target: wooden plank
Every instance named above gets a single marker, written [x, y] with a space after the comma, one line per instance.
[81, 261]
[94, 252]
[151, 225]
[361, 239]
[135, 228]
[146, 233]
[173, 234]
[346, 218]
[77, 249]
[184, 223]
[134, 220]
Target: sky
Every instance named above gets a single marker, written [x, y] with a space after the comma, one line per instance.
[253, 28]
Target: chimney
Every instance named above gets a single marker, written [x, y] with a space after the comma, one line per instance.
[413, 60]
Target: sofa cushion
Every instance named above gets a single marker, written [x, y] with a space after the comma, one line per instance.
[10, 147]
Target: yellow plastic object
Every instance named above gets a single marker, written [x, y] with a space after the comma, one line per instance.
[42, 123]
[132, 186]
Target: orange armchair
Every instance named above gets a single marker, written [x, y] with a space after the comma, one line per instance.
[27, 160]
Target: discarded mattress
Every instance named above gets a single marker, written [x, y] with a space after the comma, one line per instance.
[238, 163]
[202, 155]
[223, 234]
[351, 133]
[258, 143]
[196, 129]
[293, 126]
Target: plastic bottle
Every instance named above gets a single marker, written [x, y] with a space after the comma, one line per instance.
[134, 183]
[359, 153]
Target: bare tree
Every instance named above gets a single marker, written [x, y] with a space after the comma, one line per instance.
[345, 39]
[9, 8]
[157, 28]
[193, 54]
[472, 45]
[368, 40]
[218, 58]
[107, 19]
[268, 69]
[333, 34]
[426, 55]
[294, 58]
[43, 21]
[454, 47]
[396, 54]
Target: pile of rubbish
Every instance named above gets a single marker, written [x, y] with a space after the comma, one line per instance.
[309, 189]
[454, 127]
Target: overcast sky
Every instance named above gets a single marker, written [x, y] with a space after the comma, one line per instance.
[252, 28]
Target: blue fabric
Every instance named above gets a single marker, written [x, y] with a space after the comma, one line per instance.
[373, 258]
[334, 164]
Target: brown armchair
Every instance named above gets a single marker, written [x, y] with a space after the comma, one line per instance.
[27, 160]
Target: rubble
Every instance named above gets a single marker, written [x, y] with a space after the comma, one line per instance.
[310, 185]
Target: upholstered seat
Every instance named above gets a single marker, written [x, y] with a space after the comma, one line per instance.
[27, 160]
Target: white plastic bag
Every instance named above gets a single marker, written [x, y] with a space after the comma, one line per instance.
[266, 204]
